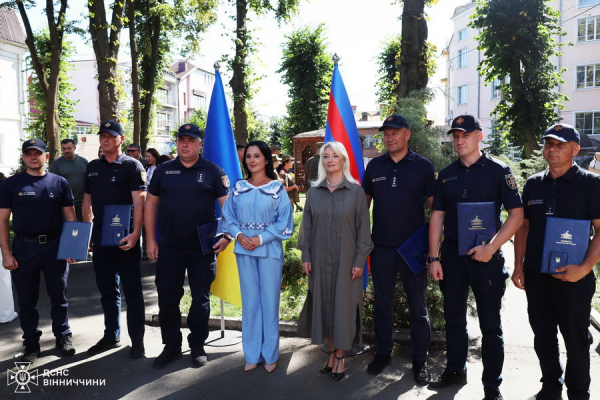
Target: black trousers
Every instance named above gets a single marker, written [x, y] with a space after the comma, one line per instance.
[553, 304]
[170, 277]
[386, 263]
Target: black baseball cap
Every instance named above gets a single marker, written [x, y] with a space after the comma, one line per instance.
[394, 121]
[563, 133]
[111, 127]
[465, 123]
[189, 130]
[37, 144]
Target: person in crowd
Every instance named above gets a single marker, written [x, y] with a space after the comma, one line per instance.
[135, 151]
[335, 241]
[276, 162]
[240, 151]
[474, 177]
[100, 152]
[275, 150]
[311, 169]
[117, 179]
[163, 158]
[595, 164]
[563, 300]
[71, 167]
[39, 201]
[259, 215]
[182, 195]
[151, 160]
[287, 178]
[399, 182]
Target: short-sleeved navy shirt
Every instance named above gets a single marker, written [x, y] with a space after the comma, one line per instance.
[187, 199]
[577, 196]
[36, 202]
[112, 183]
[487, 180]
[399, 190]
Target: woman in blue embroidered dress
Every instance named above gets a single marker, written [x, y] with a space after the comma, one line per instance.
[258, 214]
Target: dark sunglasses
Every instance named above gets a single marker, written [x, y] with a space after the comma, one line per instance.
[132, 150]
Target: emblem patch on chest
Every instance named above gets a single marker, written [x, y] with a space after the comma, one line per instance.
[200, 178]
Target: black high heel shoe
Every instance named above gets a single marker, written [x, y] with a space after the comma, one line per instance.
[337, 376]
[325, 369]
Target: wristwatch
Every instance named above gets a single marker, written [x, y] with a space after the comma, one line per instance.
[228, 238]
[432, 259]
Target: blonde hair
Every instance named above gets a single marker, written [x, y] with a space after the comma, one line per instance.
[340, 150]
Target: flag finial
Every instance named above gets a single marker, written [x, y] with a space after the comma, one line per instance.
[335, 58]
[217, 65]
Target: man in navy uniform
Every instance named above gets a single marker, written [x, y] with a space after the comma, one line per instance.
[564, 190]
[399, 182]
[39, 202]
[182, 194]
[115, 178]
[474, 177]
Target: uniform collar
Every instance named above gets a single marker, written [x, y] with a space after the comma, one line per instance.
[410, 156]
[481, 162]
[119, 159]
[568, 176]
[345, 184]
[177, 163]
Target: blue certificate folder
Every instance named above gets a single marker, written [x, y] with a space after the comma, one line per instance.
[116, 224]
[475, 219]
[415, 249]
[209, 234]
[74, 241]
[566, 242]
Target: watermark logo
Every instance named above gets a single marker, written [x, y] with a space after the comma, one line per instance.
[22, 377]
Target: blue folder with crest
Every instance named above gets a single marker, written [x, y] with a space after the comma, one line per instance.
[116, 224]
[415, 249]
[209, 234]
[74, 241]
[566, 242]
[476, 224]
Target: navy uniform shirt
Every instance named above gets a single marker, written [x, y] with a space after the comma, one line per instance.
[112, 183]
[187, 199]
[36, 202]
[487, 180]
[399, 191]
[575, 195]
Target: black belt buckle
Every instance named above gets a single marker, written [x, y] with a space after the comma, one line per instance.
[42, 239]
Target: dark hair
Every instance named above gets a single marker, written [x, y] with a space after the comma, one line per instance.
[153, 152]
[162, 159]
[266, 152]
[65, 141]
[240, 146]
[135, 145]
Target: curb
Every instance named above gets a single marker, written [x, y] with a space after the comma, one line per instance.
[288, 328]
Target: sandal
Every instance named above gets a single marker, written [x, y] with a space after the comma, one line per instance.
[325, 369]
[336, 376]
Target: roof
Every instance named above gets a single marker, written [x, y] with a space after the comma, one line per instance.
[462, 8]
[317, 133]
[11, 28]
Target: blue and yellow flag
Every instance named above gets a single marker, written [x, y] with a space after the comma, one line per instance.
[219, 147]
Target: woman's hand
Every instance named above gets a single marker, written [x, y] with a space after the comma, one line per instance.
[246, 242]
[356, 272]
[307, 267]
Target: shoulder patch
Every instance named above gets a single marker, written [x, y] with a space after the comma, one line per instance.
[225, 181]
[144, 176]
[511, 181]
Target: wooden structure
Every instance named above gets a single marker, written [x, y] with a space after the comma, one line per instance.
[305, 146]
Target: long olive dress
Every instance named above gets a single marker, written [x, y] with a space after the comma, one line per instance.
[334, 236]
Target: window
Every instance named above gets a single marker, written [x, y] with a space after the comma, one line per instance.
[461, 97]
[587, 3]
[163, 96]
[588, 76]
[462, 35]
[198, 102]
[162, 120]
[462, 58]
[588, 29]
[588, 122]
[81, 130]
[496, 89]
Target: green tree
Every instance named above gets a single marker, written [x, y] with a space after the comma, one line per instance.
[276, 128]
[66, 106]
[258, 128]
[518, 40]
[414, 47]
[307, 68]
[244, 47]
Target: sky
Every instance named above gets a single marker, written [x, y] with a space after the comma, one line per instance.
[355, 31]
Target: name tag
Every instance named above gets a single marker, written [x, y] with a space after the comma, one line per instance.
[452, 178]
[26, 193]
[535, 202]
[172, 172]
[93, 174]
[382, 178]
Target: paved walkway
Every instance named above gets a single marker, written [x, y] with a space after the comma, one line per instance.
[297, 375]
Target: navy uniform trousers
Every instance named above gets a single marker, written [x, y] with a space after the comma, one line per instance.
[385, 265]
[554, 304]
[33, 258]
[488, 282]
[170, 278]
[114, 266]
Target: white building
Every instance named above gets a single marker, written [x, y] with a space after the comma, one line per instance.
[467, 90]
[13, 107]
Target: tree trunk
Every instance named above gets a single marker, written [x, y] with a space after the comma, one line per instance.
[135, 74]
[149, 84]
[238, 79]
[106, 48]
[413, 54]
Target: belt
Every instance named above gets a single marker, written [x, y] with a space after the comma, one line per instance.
[254, 225]
[41, 239]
